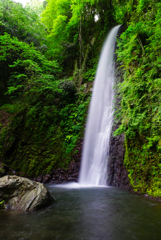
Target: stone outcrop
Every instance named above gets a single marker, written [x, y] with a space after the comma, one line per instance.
[21, 193]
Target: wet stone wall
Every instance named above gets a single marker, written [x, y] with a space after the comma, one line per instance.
[117, 173]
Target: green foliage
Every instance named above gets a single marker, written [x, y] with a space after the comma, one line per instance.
[72, 28]
[2, 204]
[42, 133]
[138, 51]
[36, 6]
[72, 119]
[47, 104]
[46, 114]
[31, 141]
[20, 22]
[55, 18]
[20, 64]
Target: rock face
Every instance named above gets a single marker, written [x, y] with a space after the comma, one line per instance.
[60, 175]
[117, 173]
[21, 193]
[57, 175]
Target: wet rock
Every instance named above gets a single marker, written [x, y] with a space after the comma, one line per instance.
[23, 194]
[23, 238]
[117, 173]
[64, 175]
[21, 174]
[72, 179]
[75, 175]
[60, 175]
[67, 175]
[2, 172]
[6, 170]
[39, 179]
[46, 178]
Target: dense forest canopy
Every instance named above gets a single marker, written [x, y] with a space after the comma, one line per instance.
[48, 59]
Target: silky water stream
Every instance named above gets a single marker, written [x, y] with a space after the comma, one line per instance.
[100, 117]
[97, 212]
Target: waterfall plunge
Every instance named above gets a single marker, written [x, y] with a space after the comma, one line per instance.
[100, 117]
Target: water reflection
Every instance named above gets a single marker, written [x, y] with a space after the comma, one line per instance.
[86, 214]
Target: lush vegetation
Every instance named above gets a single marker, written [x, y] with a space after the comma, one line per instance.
[139, 52]
[42, 111]
[48, 58]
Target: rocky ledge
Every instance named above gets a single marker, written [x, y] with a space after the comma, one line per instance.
[19, 193]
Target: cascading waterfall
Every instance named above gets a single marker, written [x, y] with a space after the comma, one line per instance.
[100, 117]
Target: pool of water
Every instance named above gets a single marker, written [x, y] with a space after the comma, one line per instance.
[86, 214]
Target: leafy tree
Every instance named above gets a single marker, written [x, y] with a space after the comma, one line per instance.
[74, 35]
[22, 23]
[38, 137]
[20, 62]
[36, 6]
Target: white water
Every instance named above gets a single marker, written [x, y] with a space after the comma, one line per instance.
[100, 117]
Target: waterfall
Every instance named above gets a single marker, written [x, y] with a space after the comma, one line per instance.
[100, 117]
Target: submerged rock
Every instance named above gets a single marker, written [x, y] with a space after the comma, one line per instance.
[20, 193]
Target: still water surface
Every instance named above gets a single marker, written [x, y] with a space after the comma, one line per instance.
[86, 214]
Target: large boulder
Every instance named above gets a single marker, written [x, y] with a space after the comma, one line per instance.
[20, 193]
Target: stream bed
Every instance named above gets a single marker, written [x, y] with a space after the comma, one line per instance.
[86, 214]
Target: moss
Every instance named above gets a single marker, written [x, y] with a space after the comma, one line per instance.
[2, 204]
[140, 94]
[143, 166]
[26, 148]
[38, 158]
